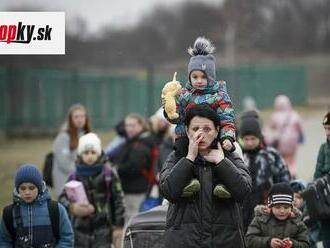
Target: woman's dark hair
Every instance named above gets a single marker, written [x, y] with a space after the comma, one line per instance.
[202, 110]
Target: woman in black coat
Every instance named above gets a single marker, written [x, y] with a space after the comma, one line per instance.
[203, 220]
[133, 159]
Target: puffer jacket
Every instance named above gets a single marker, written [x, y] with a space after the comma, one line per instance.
[216, 96]
[96, 230]
[133, 159]
[266, 168]
[36, 224]
[265, 226]
[204, 221]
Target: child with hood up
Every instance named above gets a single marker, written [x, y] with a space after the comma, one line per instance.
[279, 225]
[284, 131]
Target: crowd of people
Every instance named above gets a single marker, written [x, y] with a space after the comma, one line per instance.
[226, 185]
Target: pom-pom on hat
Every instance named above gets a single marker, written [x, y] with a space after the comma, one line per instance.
[202, 58]
[28, 173]
[280, 193]
[89, 141]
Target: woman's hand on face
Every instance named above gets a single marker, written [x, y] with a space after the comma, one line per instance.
[215, 155]
[193, 145]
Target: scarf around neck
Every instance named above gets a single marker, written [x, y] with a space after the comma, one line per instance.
[89, 170]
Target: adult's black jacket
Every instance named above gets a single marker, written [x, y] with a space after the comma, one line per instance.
[204, 220]
[135, 156]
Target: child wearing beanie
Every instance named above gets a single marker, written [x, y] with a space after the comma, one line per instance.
[30, 221]
[202, 87]
[98, 223]
[279, 224]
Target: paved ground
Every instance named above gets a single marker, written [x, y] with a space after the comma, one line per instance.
[314, 136]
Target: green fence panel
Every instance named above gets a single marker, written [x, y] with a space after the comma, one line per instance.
[4, 107]
[265, 82]
[40, 99]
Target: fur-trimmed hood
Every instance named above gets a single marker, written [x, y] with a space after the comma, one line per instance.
[265, 212]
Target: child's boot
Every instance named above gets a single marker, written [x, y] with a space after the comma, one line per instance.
[192, 188]
[220, 191]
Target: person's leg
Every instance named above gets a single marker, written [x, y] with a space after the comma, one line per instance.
[314, 235]
[290, 159]
[132, 204]
[325, 233]
[292, 165]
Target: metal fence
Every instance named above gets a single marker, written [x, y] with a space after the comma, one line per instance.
[265, 82]
[38, 99]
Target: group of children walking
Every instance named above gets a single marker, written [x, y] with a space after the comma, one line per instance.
[34, 220]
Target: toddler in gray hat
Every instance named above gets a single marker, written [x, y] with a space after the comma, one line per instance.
[202, 88]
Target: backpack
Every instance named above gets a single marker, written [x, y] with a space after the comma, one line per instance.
[150, 174]
[317, 197]
[107, 173]
[47, 170]
[7, 215]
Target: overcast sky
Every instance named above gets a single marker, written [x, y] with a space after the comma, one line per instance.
[99, 12]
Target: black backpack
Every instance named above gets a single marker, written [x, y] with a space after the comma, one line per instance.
[317, 197]
[54, 216]
[47, 170]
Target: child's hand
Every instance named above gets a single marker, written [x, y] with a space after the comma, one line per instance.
[276, 243]
[91, 209]
[227, 145]
[81, 210]
[215, 155]
[287, 243]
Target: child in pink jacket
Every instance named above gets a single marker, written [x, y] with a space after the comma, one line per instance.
[284, 131]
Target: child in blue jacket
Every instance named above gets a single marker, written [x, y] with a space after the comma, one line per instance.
[34, 220]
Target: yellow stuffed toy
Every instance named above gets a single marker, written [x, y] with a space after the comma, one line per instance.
[170, 90]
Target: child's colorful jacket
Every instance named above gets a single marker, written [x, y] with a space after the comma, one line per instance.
[215, 94]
